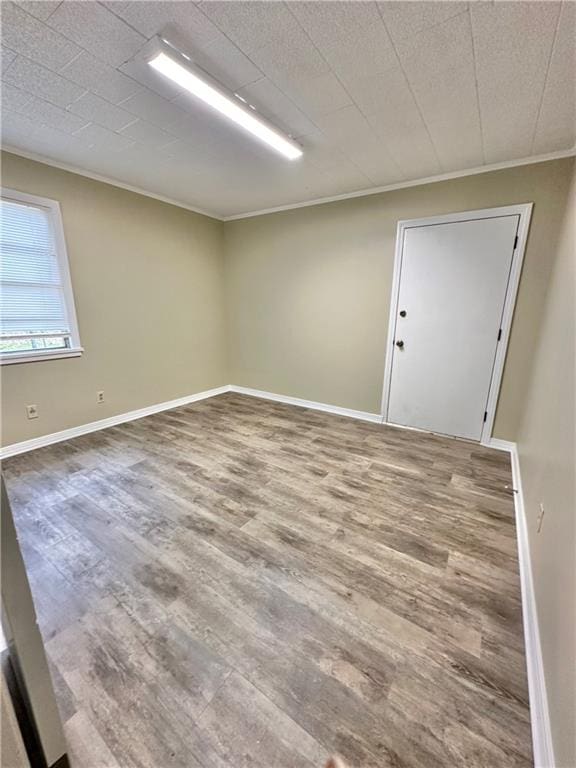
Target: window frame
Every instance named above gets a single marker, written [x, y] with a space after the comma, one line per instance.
[55, 215]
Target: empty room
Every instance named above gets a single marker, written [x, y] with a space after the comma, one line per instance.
[287, 368]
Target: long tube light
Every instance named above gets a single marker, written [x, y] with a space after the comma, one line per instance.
[190, 78]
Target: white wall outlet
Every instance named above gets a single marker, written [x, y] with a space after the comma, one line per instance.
[540, 518]
[100, 396]
[32, 411]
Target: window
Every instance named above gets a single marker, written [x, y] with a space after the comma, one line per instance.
[37, 316]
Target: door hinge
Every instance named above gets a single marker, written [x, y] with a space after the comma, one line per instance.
[515, 243]
[499, 335]
[485, 415]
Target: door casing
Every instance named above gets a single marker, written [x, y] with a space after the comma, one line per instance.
[524, 211]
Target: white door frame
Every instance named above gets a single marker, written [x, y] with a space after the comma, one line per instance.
[524, 211]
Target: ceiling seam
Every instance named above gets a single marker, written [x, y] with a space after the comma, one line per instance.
[264, 75]
[436, 23]
[540, 105]
[39, 121]
[52, 72]
[61, 71]
[482, 141]
[58, 72]
[5, 69]
[52, 11]
[81, 47]
[352, 102]
[409, 84]
[127, 23]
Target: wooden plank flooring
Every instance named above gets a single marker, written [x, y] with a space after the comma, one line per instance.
[244, 583]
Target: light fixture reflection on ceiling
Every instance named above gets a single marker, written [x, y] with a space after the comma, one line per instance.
[196, 82]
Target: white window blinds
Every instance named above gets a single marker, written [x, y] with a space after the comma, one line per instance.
[34, 314]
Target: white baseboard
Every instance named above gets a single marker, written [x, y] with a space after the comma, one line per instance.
[501, 445]
[334, 409]
[112, 421]
[121, 418]
[539, 713]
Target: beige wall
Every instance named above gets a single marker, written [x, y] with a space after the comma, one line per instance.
[548, 467]
[147, 279]
[306, 296]
[308, 290]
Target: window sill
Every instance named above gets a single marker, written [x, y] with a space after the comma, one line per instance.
[37, 357]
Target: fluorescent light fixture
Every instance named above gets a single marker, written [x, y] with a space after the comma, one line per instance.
[198, 84]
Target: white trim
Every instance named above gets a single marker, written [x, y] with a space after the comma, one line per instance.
[40, 355]
[542, 743]
[55, 219]
[95, 426]
[392, 321]
[334, 409]
[105, 180]
[291, 206]
[501, 445]
[524, 211]
[406, 184]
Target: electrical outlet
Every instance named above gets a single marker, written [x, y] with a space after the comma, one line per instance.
[100, 396]
[32, 411]
[540, 517]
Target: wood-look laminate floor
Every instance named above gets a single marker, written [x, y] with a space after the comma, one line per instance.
[244, 583]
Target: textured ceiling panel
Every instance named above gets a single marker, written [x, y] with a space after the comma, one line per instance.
[147, 134]
[513, 43]
[406, 19]
[557, 116]
[375, 92]
[96, 76]
[97, 30]
[55, 117]
[14, 99]
[152, 18]
[350, 35]
[94, 135]
[42, 82]
[42, 9]
[26, 35]
[98, 110]
[149, 106]
[317, 95]
[251, 25]
[6, 57]
[393, 113]
[439, 65]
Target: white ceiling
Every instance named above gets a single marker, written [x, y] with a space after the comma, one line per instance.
[377, 93]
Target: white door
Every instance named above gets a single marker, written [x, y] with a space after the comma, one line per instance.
[453, 283]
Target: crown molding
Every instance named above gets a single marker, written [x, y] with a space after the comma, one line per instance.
[406, 184]
[305, 204]
[105, 180]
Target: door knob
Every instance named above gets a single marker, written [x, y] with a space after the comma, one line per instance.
[400, 344]
[402, 313]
